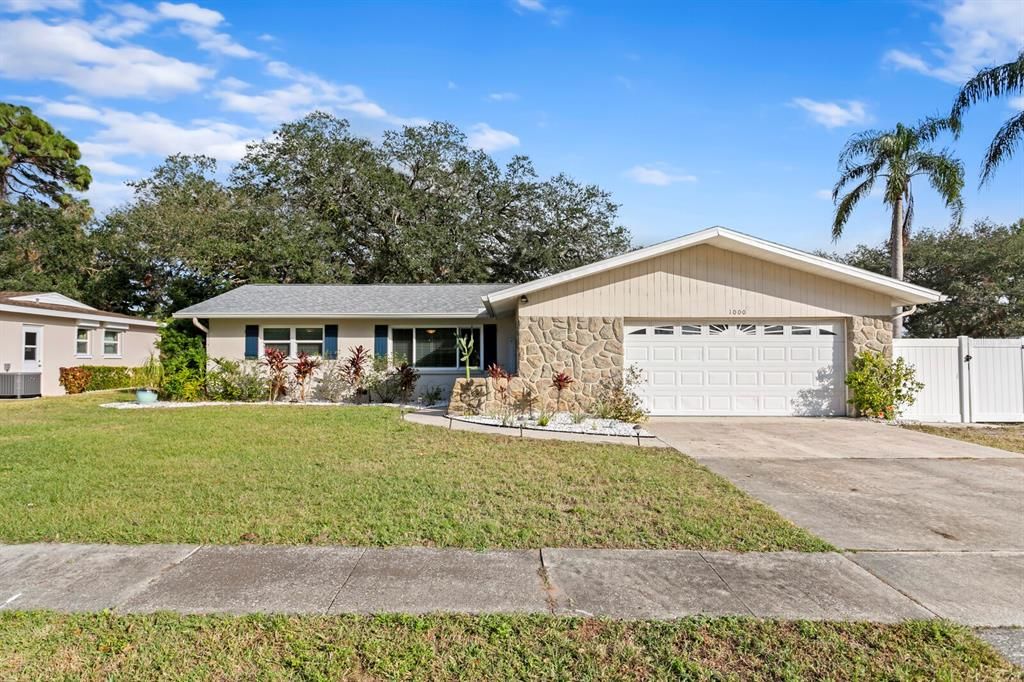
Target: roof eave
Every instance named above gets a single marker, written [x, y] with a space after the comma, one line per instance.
[213, 315]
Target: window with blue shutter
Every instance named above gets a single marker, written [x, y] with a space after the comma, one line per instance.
[380, 340]
[252, 341]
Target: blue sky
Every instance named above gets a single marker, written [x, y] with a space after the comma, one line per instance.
[692, 114]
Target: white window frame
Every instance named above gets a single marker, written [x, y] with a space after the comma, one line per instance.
[119, 335]
[88, 342]
[438, 370]
[292, 341]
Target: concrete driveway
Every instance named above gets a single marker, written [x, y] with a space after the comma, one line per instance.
[862, 485]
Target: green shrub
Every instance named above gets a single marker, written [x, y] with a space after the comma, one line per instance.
[104, 378]
[881, 388]
[618, 398]
[234, 380]
[74, 379]
[183, 358]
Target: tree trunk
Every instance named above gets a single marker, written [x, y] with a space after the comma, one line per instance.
[896, 259]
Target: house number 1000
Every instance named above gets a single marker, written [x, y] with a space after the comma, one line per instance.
[738, 311]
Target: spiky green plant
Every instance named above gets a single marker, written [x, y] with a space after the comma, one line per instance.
[998, 81]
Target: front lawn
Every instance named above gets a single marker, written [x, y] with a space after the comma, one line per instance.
[73, 472]
[1004, 437]
[51, 646]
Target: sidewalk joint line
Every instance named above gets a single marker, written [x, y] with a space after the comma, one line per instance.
[348, 577]
[890, 585]
[159, 574]
[732, 592]
[550, 590]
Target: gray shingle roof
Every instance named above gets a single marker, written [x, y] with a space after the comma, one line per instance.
[341, 300]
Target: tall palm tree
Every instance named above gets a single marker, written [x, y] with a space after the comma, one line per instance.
[995, 82]
[897, 156]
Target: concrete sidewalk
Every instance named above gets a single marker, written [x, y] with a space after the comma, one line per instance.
[971, 588]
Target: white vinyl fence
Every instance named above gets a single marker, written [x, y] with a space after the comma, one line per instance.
[966, 380]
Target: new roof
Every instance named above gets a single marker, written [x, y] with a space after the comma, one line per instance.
[52, 304]
[902, 293]
[346, 300]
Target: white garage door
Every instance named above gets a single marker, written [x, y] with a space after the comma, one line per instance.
[750, 368]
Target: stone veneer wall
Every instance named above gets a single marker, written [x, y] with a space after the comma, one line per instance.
[589, 349]
[869, 333]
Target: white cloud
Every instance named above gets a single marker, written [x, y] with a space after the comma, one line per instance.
[484, 137]
[199, 24]
[555, 15]
[127, 135]
[503, 97]
[825, 194]
[191, 13]
[70, 54]
[305, 93]
[266, 37]
[1017, 103]
[833, 114]
[452, 85]
[657, 176]
[26, 6]
[974, 34]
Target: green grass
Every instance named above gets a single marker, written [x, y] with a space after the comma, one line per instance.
[1004, 437]
[165, 646]
[71, 471]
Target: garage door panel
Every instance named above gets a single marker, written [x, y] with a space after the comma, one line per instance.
[636, 353]
[719, 378]
[746, 353]
[711, 368]
[719, 353]
[691, 378]
[745, 379]
[801, 354]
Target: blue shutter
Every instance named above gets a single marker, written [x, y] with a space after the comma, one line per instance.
[380, 340]
[490, 345]
[331, 341]
[252, 341]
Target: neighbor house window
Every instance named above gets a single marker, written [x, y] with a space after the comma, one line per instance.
[82, 342]
[294, 340]
[434, 347]
[111, 342]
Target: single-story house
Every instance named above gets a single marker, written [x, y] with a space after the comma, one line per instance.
[717, 322]
[40, 332]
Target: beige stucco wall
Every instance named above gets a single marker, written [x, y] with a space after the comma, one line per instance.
[58, 348]
[705, 282]
[227, 339]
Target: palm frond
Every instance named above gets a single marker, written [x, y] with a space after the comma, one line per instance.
[846, 206]
[852, 173]
[929, 128]
[946, 176]
[1003, 146]
[989, 83]
[864, 143]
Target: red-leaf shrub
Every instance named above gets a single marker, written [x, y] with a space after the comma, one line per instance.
[275, 362]
[74, 379]
[304, 369]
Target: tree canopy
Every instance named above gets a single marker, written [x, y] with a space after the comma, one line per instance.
[37, 162]
[980, 269]
[315, 203]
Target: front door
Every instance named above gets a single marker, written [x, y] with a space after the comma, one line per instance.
[32, 348]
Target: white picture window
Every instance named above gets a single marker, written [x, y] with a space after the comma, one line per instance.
[773, 330]
[111, 342]
[294, 340]
[435, 347]
[667, 330]
[690, 330]
[800, 330]
[82, 336]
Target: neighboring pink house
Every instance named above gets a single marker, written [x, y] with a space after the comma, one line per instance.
[42, 332]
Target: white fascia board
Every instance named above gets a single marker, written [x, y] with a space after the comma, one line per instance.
[82, 315]
[902, 292]
[185, 315]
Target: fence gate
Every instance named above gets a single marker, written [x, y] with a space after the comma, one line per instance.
[966, 380]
